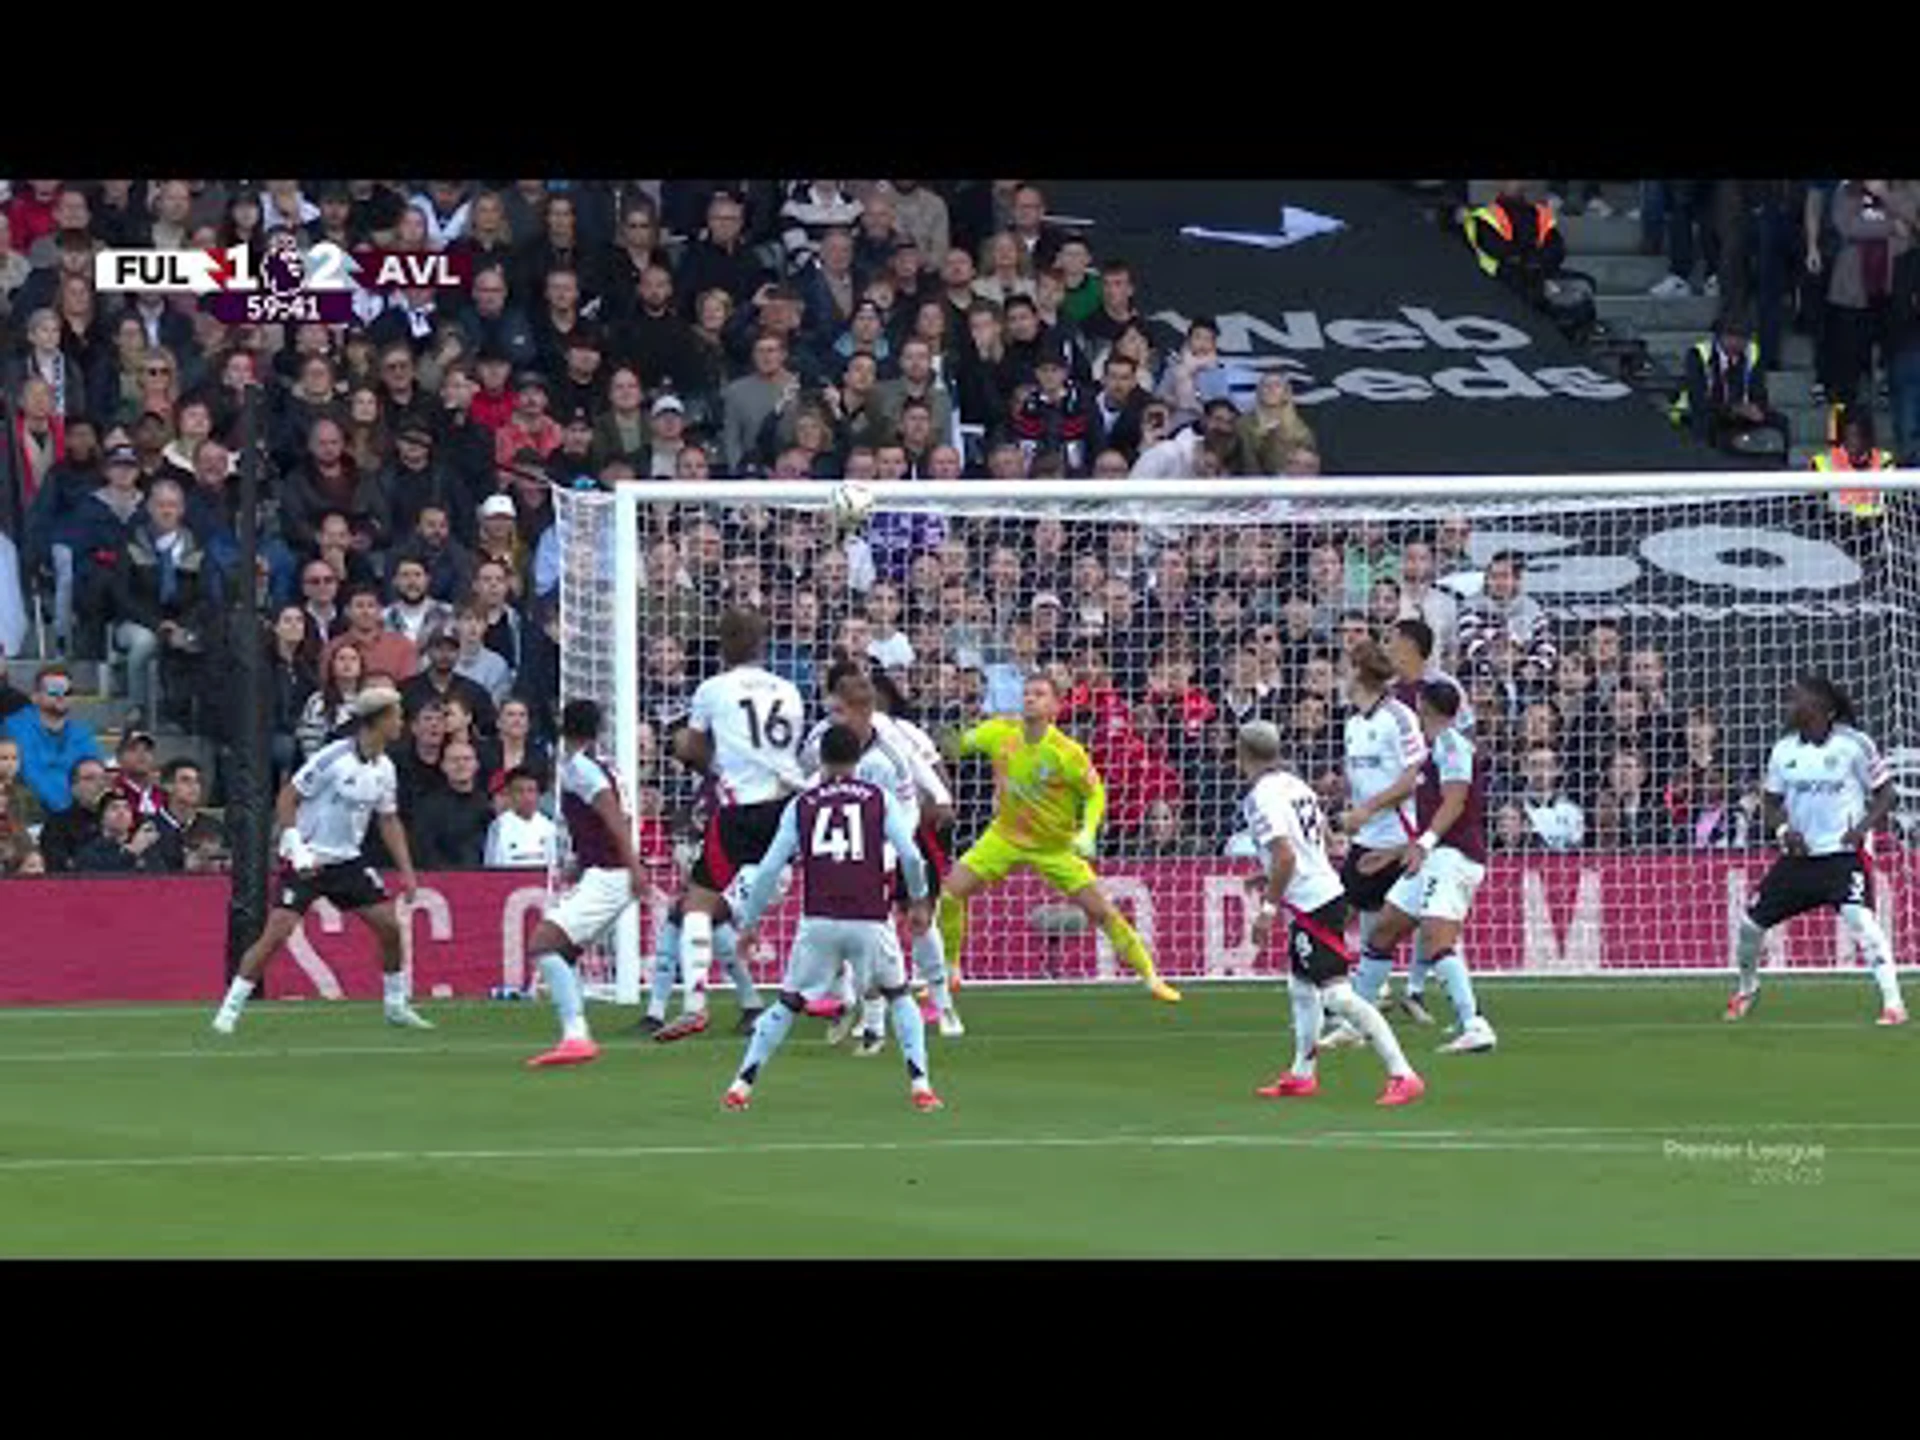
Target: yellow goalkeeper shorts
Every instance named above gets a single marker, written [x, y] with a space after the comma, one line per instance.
[993, 859]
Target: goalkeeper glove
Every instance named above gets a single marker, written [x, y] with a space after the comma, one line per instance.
[1085, 845]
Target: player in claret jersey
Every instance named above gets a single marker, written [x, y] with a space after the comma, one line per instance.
[1385, 754]
[1410, 646]
[839, 833]
[1442, 868]
[1283, 816]
[1827, 789]
[744, 730]
[891, 759]
[1049, 804]
[611, 878]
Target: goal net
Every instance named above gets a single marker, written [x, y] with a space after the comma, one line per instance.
[1625, 644]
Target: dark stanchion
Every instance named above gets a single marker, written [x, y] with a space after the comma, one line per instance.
[248, 760]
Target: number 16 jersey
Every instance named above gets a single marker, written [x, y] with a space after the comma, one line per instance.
[754, 720]
[1282, 806]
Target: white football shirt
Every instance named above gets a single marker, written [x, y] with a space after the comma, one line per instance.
[516, 844]
[1282, 806]
[889, 761]
[340, 791]
[754, 720]
[1826, 787]
[1381, 744]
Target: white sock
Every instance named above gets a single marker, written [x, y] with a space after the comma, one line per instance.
[1306, 1024]
[1360, 1012]
[873, 1016]
[696, 959]
[238, 994]
[1746, 953]
[930, 959]
[1871, 936]
[395, 986]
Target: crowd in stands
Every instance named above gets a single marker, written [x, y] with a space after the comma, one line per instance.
[1832, 259]
[882, 330]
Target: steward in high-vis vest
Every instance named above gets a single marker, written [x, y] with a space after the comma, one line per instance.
[1856, 451]
[1725, 393]
[1517, 241]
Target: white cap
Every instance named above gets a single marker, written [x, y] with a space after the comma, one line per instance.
[497, 505]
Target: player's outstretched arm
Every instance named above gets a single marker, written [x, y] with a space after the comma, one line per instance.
[1093, 807]
[906, 846]
[287, 841]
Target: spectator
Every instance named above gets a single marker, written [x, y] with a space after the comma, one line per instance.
[499, 541]
[1272, 436]
[1421, 599]
[67, 831]
[1903, 355]
[441, 681]
[558, 250]
[1195, 451]
[184, 831]
[405, 403]
[123, 844]
[165, 605]
[50, 741]
[1724, 399]
[656, 341]
[921, 216]
[1556, 821]
[14, 268]
[414, 612]
[22, 806]
[520, 837]
[621, 431]
[721, 258]
[449, 566]
[505, 628]
[1875, 220]
[365, 432]
[1118, 409]
[293, 668]
[386, 651]
[1517, 241]
[132, 774]
[811, 209]
[1701, 798]
[45, 359]
[329, 709]
[412, 480]
[517, 749]
[794, 654]
[418, 758]
[475, 662]
[331, 482]
[320, 587]
[451, 821]
[1627, 816]
[38, 443]
[498, 332]
[530, 427]
[1505, 626]
[748, 401]
[1195, 375]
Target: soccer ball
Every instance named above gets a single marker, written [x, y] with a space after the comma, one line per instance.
[850, 504]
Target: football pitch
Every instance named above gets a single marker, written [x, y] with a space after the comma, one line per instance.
[1621, 1119]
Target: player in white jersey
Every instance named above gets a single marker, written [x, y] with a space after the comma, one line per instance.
[893, 760]
[1410, 646]
[1384, 753]
[611, 878]
[744, 730]
[1827, 789]
[321, 816]
[936, 843]
[1283, 816]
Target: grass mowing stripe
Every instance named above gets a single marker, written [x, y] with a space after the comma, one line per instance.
[1386, 1140]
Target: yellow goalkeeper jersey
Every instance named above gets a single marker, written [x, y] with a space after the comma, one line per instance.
[1039, 788]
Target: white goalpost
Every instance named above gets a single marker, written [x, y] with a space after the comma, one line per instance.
[1626, 642]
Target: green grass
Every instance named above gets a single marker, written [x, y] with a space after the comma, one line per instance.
[1081, 1123]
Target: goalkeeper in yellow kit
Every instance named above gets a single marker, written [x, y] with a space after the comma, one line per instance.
[1048, 805]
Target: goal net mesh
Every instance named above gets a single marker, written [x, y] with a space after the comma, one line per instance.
[1626, 662]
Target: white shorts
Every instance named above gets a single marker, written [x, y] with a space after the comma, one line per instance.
[872, 947]
[1442, 890]
[590, 909]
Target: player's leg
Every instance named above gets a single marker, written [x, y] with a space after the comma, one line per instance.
[987, 862]
[1414, 1002]
[1862, 920]
[816, 955]
[666, 969]
[1449, 897]
[282, 921]
[737, 838]
[379, 917]
[1320, 962]
[1073, 877]
[930, 950]
[1785, 892]
[555, 956]
[881, 969]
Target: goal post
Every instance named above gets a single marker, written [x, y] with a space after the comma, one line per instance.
[1625, 831]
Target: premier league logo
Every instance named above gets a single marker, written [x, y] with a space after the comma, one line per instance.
[283, 269]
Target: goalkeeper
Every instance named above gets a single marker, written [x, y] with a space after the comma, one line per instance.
[1048, 804]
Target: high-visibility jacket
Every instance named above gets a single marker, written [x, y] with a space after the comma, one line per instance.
[1496, 218]
[1864, 503]
[1682, 406]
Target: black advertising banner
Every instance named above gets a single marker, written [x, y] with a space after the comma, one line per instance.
[1403, 357]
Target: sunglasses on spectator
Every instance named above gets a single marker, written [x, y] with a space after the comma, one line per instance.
[58, 688]
[159, 369]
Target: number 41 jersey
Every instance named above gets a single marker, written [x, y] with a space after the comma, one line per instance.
[755, 720]
[1282, 806]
